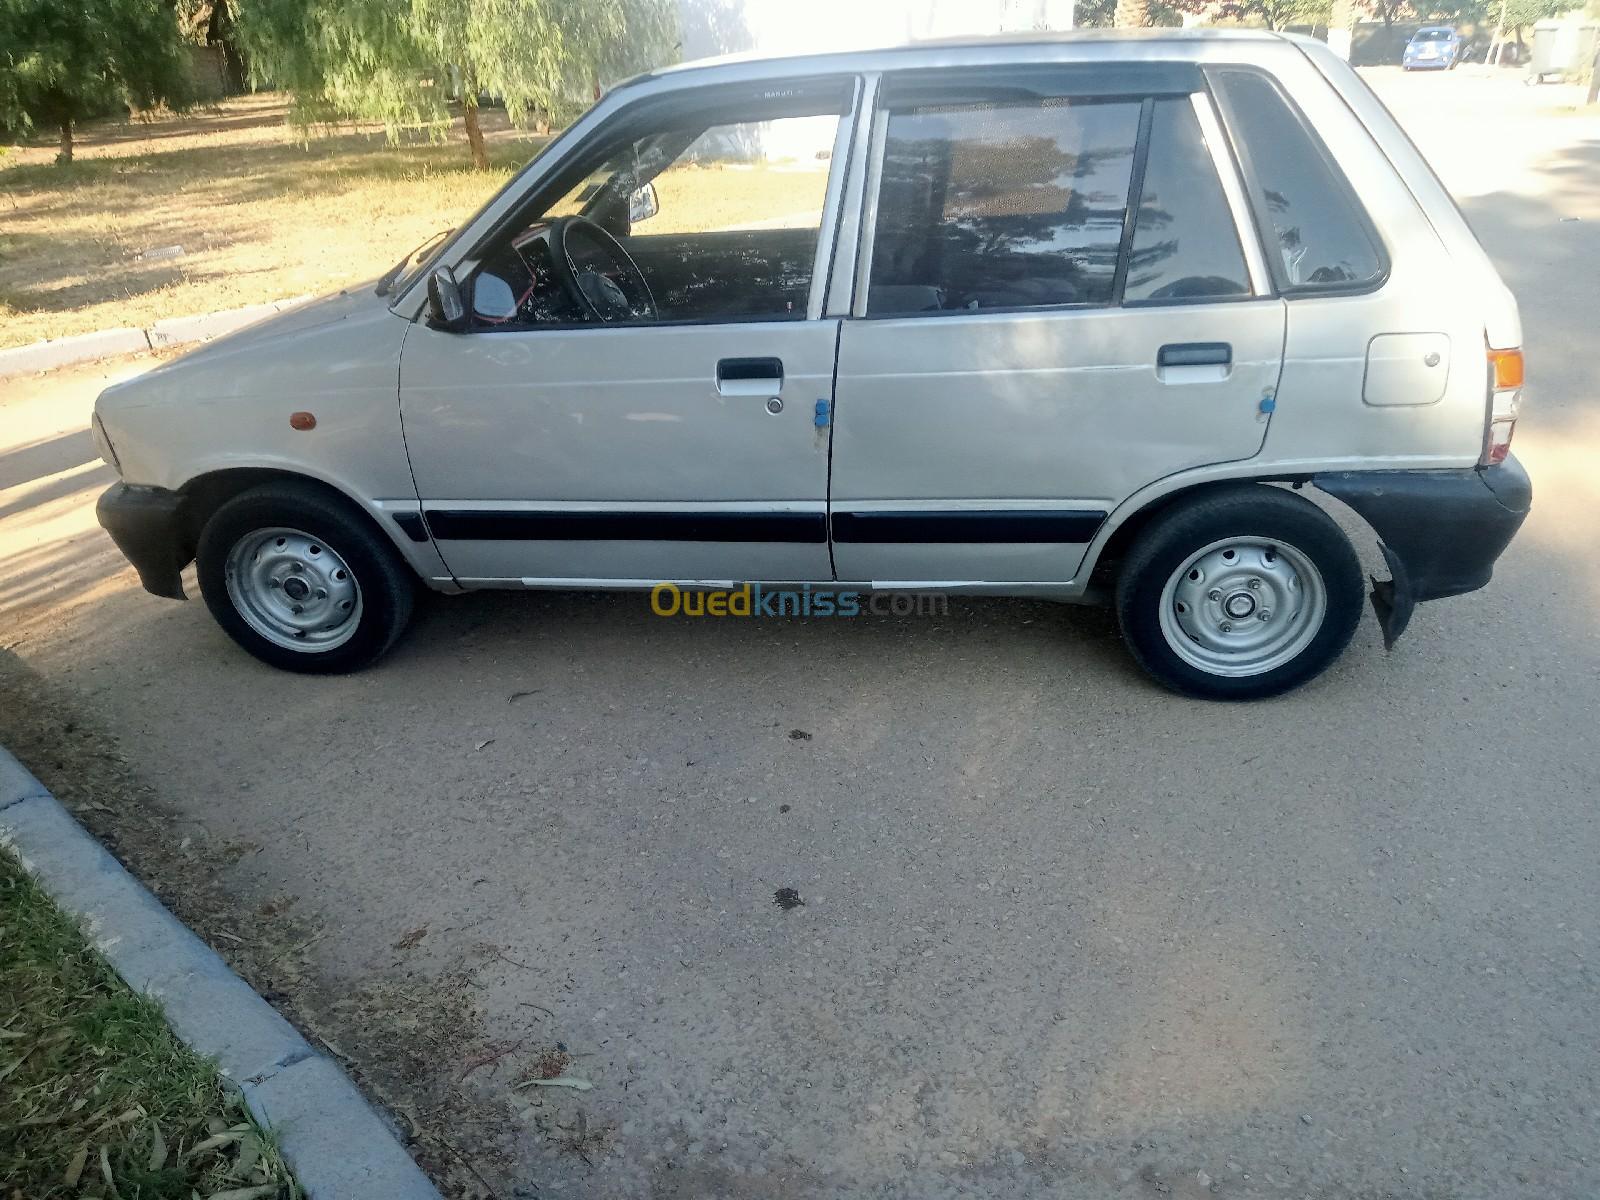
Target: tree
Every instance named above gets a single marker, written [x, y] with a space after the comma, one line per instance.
[390, 60]
[211, 23]
[63, 62]
[1387, 10]
[1100, 14]
[1276, 14]
[1513, 15]
[1132, 14]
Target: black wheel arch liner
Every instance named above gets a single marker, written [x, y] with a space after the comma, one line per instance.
[1440, 531]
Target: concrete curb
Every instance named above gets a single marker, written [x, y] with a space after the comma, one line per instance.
[337, 1144]
[174, 331]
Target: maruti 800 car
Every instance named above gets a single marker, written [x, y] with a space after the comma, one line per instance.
[1083, 318]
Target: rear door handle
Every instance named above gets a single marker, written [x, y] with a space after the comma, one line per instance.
[750, 376]
[1195, 354]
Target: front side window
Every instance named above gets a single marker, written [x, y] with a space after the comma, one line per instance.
[700, 222]
[1002, 205]
[1310, 217]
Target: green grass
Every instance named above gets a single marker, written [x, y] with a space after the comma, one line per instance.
[97, 1097]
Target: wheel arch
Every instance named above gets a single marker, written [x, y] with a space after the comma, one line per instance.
[205, 493]
[1122, 529]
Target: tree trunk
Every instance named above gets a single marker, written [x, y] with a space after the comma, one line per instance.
[1132, 14]
[1497, 43]
[469, 114]
[1594, 79]
[64, 156]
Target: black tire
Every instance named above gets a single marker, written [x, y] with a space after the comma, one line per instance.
[1244, 511]
[387, 586]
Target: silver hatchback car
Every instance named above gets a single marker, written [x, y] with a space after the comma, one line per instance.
[1075, 317]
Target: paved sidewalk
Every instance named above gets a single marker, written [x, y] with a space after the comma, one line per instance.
[337, 1144]
[108, 343]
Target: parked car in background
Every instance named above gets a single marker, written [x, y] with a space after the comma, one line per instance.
[1433, 48]
[1074, 318]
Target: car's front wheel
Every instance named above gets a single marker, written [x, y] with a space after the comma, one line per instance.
[302, 581]
[1243, 593]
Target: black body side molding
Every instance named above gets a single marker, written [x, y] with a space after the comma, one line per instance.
[412, 525]
[522, 525]
[976, 526]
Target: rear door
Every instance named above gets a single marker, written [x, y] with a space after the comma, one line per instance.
[1054, 306]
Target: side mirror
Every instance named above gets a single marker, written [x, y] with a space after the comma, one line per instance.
[446, 310]
[643, 203]
[492, 298]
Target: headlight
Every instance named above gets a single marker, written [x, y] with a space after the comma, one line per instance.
[102, 443]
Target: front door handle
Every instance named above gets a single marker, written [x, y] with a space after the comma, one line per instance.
[750, 376]
[1195, 354]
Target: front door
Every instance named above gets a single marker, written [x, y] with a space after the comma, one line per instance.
[1059, 309]
[636, 396]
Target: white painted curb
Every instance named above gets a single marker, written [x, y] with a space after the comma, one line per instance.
[338, 1146]
[174, 331]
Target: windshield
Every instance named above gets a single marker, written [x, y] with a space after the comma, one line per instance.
[1432, 35]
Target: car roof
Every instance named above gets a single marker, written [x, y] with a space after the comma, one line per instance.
[1102, 45]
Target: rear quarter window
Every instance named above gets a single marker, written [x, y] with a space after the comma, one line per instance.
[1317, 237]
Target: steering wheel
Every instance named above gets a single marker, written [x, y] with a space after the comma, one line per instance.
[621, 294]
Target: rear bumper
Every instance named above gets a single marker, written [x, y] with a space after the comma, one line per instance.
[1440, 531]
[148, 526]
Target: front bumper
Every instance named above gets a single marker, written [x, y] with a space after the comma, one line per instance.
[149, 527]
[1440, 531]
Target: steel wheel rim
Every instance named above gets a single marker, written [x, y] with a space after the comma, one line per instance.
[293, 589]
[1243, 606]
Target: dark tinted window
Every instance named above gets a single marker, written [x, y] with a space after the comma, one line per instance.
[986, 206]
[1321, 240]
[1185, 246]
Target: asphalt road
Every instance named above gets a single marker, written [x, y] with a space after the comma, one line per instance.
[1063, 934]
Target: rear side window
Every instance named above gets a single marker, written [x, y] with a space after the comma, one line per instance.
[1185, 245]
[1002, 205]
[1317, 238]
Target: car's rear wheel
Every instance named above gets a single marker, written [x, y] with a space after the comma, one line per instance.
[1244, 593]
[302, 581]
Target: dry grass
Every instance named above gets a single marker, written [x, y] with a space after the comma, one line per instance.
[724, 196]
[97, 1097]
[260, 215]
